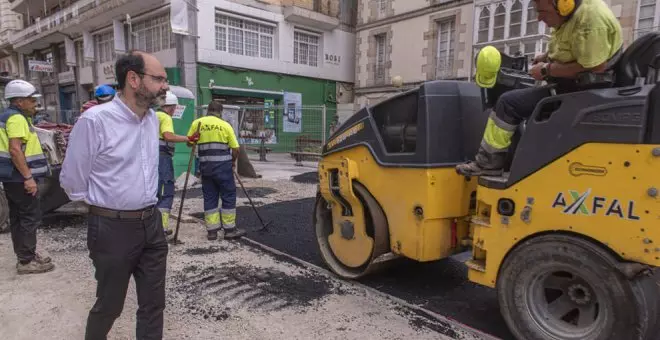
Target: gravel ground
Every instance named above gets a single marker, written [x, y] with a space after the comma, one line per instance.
[215, 290]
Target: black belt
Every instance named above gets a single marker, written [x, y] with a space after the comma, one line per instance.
[141, 214]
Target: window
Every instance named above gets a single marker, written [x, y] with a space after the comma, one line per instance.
[514, 49]
[445, 55]
[645, 21]
[516, 20]
[379, 71]
[62, 66]
[105, 47]
[382, 7]
[532, 21]
[530, 51]
[153, 35]
[243, 37]
[80, 56]
[305, 49]
[484, 22]
[498, 27]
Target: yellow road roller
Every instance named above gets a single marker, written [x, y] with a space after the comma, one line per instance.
[569, 235]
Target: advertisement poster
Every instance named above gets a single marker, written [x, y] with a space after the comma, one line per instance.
[230, 115]
[292, 113]
[178, 112]
[269, 115]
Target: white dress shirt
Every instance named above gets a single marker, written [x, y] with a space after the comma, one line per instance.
[112, 158]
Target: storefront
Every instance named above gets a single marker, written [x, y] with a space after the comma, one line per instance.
[275, 107]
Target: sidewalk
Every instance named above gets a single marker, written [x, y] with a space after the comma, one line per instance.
[215, 290]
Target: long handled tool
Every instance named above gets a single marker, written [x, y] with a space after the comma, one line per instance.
[263, 224]
[175, 239]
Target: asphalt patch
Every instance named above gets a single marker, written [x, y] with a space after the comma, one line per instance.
[307, 178]
[202, 251]
[209, 292]
[254, 192]
[441, 287]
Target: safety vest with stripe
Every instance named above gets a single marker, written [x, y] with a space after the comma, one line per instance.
[167, 147]
[214, 142]
[31, 147]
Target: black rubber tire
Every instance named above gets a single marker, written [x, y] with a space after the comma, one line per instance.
[626, 317]
[4, 212]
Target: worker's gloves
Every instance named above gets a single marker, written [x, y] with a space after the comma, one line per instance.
[194, 138]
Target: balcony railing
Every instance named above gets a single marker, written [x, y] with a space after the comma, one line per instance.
[58, 18]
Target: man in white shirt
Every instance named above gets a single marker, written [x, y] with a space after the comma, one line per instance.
[112, 164]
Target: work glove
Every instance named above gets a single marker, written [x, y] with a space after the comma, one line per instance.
[193, 138]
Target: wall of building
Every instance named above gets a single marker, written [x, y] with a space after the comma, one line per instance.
[411, 30]
[337, 44]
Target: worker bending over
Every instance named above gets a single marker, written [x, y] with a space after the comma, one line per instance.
[585, 37]
[166, 152]
[22, 162]
[218, 152]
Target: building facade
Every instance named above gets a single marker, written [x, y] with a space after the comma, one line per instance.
[402, 43]
[67, 47]
[279, 53]
[512, 25]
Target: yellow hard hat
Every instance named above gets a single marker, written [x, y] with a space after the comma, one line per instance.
[489, 61]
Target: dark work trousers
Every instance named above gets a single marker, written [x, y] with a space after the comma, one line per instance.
[24, 219]
[165, 182]
[517, 105]
[219, 185]
[120, 248]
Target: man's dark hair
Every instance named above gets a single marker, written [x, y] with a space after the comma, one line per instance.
[215, 108]
[132, 61]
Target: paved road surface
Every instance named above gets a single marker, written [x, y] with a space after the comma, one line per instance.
[441, 287]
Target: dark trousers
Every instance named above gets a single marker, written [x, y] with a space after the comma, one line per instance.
[165, 182]
[120, 248]
[517, 105]
[24, 219]
[219, 186]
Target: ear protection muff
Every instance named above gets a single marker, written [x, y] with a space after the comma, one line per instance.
[564, 7]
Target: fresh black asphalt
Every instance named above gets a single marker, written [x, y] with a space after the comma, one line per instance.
[441, 287]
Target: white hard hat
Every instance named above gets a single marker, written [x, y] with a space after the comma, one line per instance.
[171, 99]
[20, 89]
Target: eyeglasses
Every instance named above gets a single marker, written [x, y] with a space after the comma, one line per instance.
[158, 79]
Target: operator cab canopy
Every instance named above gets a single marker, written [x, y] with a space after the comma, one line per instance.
[438, 124]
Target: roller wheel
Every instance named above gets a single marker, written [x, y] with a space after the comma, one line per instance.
[558, 287]
[376, 229]
[4, 212]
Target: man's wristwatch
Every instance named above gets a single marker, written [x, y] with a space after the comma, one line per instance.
[25, 179]
[545, 71]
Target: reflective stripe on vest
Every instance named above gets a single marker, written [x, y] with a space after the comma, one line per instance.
[166, 147]
[214, 152]
[35, 158]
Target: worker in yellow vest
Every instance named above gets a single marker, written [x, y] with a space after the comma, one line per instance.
[165, 165]
[218, 152]
[22, 162]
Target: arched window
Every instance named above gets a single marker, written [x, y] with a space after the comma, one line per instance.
[498, 26]
[484, 22]
[516, 20]
[532, 21]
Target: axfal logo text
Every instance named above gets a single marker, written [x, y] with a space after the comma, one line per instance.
[576, 203]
